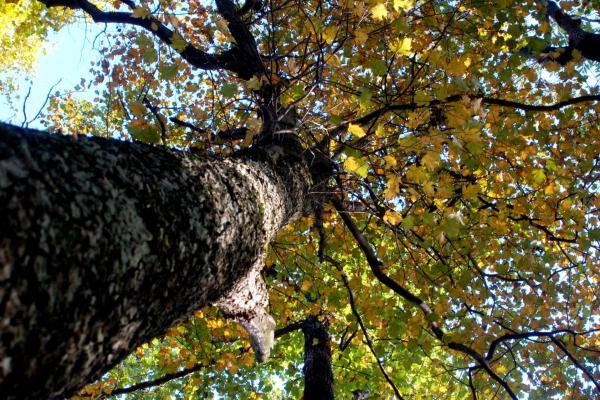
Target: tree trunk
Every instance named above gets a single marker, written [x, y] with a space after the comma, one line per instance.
[105, 244]
[318, 376]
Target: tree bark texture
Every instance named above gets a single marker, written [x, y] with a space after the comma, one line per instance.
[588, 43]
[318, 376]
[105, 244]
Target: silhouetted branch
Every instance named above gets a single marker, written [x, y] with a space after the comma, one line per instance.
[233, 60]
[375, 264]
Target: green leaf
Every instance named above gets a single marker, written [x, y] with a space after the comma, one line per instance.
[539, 176]
[408, 222]
[168, 71]
[536, 44]
[377, 66]
[229, 90]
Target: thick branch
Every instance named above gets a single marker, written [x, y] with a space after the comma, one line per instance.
[232, 60]
[587, 43]
[318, 375]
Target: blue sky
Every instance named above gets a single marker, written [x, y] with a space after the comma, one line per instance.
[67, 57]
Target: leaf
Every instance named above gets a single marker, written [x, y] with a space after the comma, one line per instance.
[329, 34]
[168, 71]
[401, 46]
[536, 44]
[229, 90]
[379, 12]
[539, 176]
[392, 217]
[451, 228]
[390, 160]
[142, 130]
[360, 37]
[378, 67]
[408, 222]
[356, 130]
[178, 43]
[253, 83]
[137, 108]
[470, 191]
[149, 55]
[141, 12]
[456, 67]
[403, 4]
[357, 166]
[431, 160]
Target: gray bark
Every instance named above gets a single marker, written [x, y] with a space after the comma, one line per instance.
[105, 244]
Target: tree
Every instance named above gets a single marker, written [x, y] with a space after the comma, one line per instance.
[439, 159]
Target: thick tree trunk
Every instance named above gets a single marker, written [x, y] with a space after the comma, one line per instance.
[318, 376]
[105, 244]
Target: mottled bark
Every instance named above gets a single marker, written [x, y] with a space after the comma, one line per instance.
[105, 244]
[318, 376]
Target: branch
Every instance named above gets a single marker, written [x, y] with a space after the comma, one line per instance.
[533, 107]
[362, 326]
[374, 115]
[587, 43]
[232, 60]
[184, 124]
[155, 382]
[159, 118]
[294, 326]
[375, 264]
[525, 335]
[243, 37]
[582, 367]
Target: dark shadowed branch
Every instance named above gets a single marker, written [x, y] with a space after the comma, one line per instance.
[234, 60]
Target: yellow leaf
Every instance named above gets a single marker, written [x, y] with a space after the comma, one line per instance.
[306, 285]
[360, 37]
[392, 217]
[357, 166]
[429, 189]
[401, 46]
[329, 34]
[379, 11]
[403, 4]
[470, 191]
[456, 67]
[390, 160]
[356, 130]
[393, 187]
[431, 160]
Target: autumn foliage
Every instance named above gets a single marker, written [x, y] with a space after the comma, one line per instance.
[453, 244]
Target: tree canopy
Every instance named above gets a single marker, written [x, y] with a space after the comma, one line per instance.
[452, 235]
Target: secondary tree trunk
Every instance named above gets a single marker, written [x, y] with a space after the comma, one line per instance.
[105, 244]
[318, 376]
